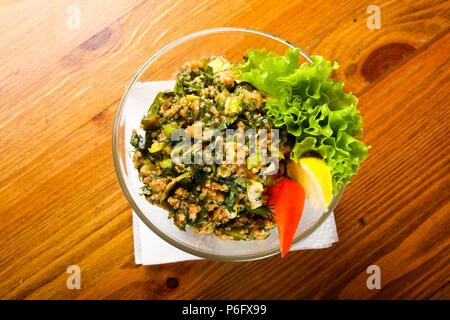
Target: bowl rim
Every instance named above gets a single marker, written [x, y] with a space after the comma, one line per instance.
[141, 215]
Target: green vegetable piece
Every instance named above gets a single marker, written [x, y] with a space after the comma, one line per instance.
[146, 168]
[236, 235]
[253, 160]
[222, 126]
[196, 109]
[240, 181]
[233, 211]
[167, 148]
[231, 120]
[222, 97]
[219, 64]
[151, 119]
[150, 123]
[238, 91]
[144, 143]
[191, 97]
[261, 211]
[134, 141]
[156, 147]
[263, 69]
[172, 183]
[166, 163]
[252, 104]
[169, 129]
[233, 106]
[223, 172]
[141, 143]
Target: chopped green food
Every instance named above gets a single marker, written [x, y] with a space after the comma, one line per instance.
[307, 108]
[225, 199]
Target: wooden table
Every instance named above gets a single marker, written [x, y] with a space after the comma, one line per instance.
[61, 203]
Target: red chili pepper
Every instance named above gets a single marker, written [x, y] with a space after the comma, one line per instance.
[287, 199]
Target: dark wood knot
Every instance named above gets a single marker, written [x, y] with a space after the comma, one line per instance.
[382, 59]
[172, 283]
[99, 116]
[362, 222]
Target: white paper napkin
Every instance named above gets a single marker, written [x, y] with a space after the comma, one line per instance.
[149, 248]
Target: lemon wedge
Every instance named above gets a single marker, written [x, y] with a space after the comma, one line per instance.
[314, 176]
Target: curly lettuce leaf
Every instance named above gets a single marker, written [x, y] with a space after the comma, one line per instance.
[255, 69]
[310, 106]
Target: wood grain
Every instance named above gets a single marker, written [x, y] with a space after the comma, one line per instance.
[62, 205]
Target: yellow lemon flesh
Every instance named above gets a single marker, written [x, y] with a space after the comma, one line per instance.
[314, 176]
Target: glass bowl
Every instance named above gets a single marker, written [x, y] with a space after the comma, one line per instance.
[157, 74]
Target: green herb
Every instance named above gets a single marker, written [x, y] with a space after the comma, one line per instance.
[151, 119]
[134, 141]
[222, 126]
[236, 235]
[263, 210]
[199, 175]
